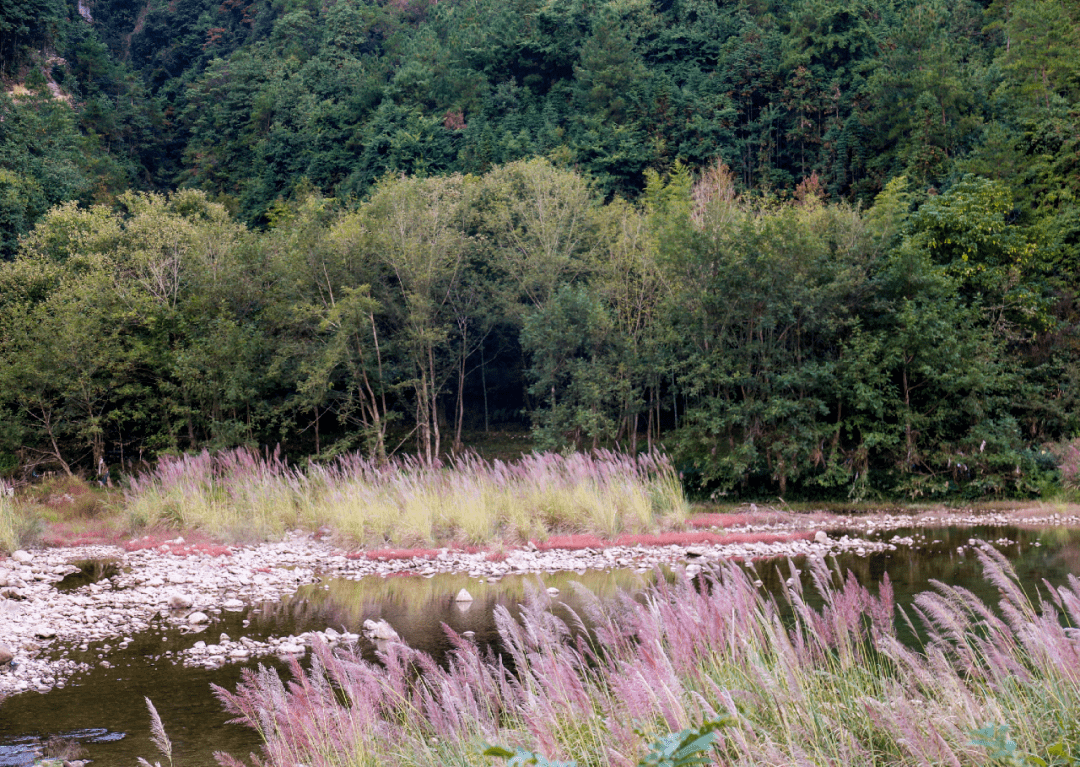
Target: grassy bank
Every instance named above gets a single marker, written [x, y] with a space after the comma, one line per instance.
[241, 494]
[828, 686]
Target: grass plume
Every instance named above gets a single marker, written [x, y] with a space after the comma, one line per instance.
[830, 685]
[158, 736]
[405, 502]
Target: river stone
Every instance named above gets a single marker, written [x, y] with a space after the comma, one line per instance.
[379, 630]
[180, 601]
[463, 596]
[22, 556]
[553, 592]
[198, 617]
[821, 537]
[291, 649]
[44, 632]
[233, 604]
[6, 655]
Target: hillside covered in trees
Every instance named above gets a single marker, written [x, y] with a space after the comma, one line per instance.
[811, 247]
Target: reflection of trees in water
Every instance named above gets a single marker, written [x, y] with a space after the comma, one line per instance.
[1068, 558]
[419, 607]
[912, 570]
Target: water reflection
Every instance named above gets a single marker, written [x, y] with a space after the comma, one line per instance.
[89, 571]
[418, 607]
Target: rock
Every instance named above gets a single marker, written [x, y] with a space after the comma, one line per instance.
[380, 630]
[553, 592]
[180, 601]
[821, 537]
[198, 617]
[233, 604]
[44, 632]
[288, 648]
[23, 557]
[463, 596]
[6, 655]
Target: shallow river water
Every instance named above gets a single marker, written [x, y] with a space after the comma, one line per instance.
[105, 711]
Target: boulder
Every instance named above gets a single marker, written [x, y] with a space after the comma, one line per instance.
[44, 632]
[198, 617]
[24, 557]
[463, 596]
[380, 630]
[6, 655]
[821, 537]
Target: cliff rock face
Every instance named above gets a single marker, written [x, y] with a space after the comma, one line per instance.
[84, 11]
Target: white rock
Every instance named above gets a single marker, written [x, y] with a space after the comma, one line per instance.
[179, 601]
[233, 604]
[552, 591]
[821, 537]
[198, 617]
[463, 596]
[289, 648]
[24, 557]
[379, 630]
[44, 632]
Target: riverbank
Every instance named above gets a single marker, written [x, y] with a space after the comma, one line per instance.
[152, 583]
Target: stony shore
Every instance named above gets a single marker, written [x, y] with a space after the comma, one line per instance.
[174, 585]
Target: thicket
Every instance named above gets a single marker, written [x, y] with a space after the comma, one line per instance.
[811, 247]
[772, 345]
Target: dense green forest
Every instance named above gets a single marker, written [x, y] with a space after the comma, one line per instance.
[811, 247]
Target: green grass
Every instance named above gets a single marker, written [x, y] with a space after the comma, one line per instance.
[240, 494]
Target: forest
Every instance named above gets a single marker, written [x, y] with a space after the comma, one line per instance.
[814, 248]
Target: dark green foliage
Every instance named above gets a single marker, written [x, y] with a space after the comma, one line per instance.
[814, 247]
[688, 748]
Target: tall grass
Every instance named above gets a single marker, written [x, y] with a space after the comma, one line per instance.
[9, 524]
[803, 685]
[241, 493]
